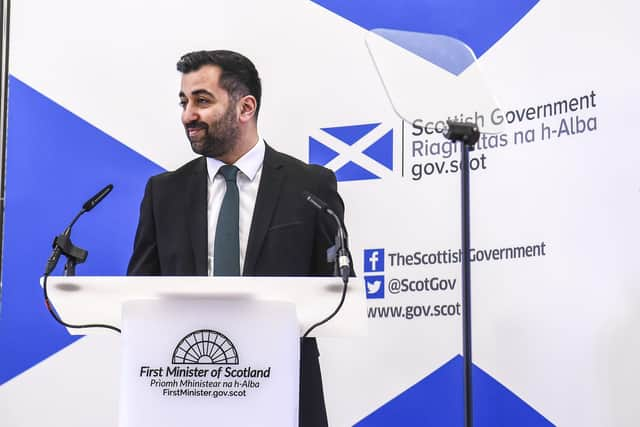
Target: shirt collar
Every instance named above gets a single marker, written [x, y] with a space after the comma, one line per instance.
[249, 164]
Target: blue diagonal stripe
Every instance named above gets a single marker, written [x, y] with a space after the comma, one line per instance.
[55, 162]
[438, 400]
[477, 23]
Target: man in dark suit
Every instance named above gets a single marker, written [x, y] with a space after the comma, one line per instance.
[278, 232]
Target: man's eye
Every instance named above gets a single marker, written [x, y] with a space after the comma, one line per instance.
[203, 101]
[182, 103]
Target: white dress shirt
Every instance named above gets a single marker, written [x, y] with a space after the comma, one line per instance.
[248, 180]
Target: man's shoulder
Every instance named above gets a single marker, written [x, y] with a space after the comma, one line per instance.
[277, 158]
[193, 167]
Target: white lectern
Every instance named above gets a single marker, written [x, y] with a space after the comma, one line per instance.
[205, 350]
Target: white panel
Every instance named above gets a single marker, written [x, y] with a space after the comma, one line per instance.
[76, 387]
[558, 330]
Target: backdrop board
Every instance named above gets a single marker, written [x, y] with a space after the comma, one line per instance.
[555, 195]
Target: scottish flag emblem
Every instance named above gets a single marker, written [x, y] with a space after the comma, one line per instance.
[354, 153]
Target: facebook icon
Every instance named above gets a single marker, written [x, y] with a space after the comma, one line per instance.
[373, 260]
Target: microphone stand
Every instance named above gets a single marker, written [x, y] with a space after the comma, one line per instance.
[467, 134]
[342, 265]
[63, 245]
[341, 258]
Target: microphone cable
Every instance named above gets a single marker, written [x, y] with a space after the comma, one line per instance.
[62, 322]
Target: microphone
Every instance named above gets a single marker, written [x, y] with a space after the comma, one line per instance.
[92, 202]
[62, 243]
[316, 201]
[342, 257]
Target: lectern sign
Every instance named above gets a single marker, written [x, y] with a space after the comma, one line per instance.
[205, 363]
[186, 359]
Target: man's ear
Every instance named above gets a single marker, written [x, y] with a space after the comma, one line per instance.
[247, 108]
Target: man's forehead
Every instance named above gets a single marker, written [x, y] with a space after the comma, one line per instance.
[204, 78]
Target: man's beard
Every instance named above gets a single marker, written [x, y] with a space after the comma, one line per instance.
[219, 137]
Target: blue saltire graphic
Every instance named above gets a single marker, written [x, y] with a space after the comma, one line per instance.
[478, 24]
[55, 162]
[438, 401]
[379, 150]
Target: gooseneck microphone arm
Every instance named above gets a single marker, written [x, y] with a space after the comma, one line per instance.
[342, 261]
[62, 245]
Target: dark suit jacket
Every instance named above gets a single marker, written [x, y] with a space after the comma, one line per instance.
[288, 237]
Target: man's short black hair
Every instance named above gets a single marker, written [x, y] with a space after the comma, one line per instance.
[239, 76]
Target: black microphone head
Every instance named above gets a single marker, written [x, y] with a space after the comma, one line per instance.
[92, 202]
[315, 200]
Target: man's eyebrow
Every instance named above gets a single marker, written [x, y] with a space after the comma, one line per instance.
[196, 92]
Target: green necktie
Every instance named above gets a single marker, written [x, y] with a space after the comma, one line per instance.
[226, 248]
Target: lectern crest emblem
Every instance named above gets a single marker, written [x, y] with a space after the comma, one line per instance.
[205, 347]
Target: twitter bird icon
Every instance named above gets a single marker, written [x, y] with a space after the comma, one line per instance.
[374, 286]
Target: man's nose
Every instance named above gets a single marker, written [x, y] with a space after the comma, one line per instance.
[189, 114]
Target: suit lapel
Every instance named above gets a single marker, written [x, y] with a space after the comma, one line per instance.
[197, 216]
[271, 181]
